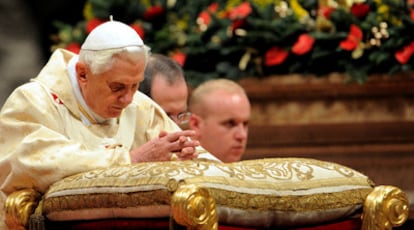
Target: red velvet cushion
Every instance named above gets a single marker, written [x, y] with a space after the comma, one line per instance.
[350, 224]
[163, 223]
[106, 224]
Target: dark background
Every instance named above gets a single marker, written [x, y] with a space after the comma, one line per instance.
[25, 30]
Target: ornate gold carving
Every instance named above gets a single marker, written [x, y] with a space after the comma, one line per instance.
[194, 208]
[19, 206]
[384, 208]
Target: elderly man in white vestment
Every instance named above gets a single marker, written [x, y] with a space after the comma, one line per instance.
[84, 112]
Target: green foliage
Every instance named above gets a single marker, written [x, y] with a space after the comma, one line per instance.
[228, 46]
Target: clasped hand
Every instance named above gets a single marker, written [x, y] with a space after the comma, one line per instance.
[167, 146]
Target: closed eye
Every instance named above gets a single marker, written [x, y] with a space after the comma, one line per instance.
[117, 87]
[230, 123]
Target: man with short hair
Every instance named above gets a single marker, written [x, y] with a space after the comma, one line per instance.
[220, 116]
[165, 83]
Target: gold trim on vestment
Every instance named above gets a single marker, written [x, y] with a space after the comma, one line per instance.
[86, 114]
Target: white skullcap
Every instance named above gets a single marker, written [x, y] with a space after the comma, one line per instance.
[112, 35]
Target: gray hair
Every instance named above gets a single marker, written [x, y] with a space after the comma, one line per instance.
[100, 61]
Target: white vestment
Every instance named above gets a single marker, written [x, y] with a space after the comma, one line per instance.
[43, 138]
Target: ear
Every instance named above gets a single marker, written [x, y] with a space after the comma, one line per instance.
[80, 72]
[195, 121]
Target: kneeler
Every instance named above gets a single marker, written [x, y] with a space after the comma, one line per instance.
[272, 193]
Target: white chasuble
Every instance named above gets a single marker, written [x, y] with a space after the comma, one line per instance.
[43, 138]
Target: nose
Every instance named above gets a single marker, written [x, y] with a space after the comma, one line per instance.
[241, 132]
[127, 97]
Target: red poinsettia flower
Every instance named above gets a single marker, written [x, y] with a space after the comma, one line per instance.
[213, 7]
[353, 39]
[303, 45]
[153, 12]
[238, 24]
[360, 10]
[179, 57]
[275, 56]
[73, 47]
[92, 24]
[412, 14]
[404, 55]
[205, 16]
[241, 11]
[140, 31]
[326, 11]
[410, 4]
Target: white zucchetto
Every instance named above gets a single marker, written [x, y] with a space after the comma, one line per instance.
[112, 35]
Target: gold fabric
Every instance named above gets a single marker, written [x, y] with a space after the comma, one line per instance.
[43, 138]
[255, 193]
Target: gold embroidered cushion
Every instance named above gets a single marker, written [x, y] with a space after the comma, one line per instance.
[255, 193]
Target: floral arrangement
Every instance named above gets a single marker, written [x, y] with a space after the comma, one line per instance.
[241, 38]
